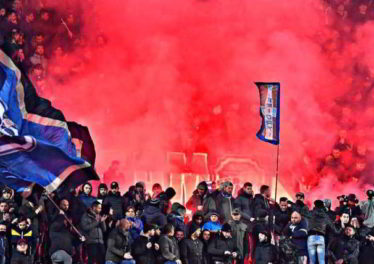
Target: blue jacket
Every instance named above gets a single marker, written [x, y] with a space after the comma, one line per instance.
[87, 199]
[178, 222]
[136, 228]
[299, 234]
[212, 226]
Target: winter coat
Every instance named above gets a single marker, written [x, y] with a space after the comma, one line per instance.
[345, 248]
[17, 234]
[119, 243]
[93, 229]
[265, 253]
[140, 252]
[195, 201]
[239, 233]
[368, 211]
[222, 203]
[191, 251]
[4, 246]
[18, 258]
[320, 222]
[87, 200]
[366, 255]
[212, 226]
[169, 248]
[60, 236]
[244, 202]
[218, 246]
[299, 234]
[178, 222]
[153, 215]
[281, 220]
[136, 228]
[117, 202]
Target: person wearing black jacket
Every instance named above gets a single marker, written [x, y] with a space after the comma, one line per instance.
[265, 252]
[21, 255]
[119, 245]
[297, 231]
[345, 249]
[143, 250]
[93, 225]
[261, 201]
[169, 246]
[222, 247]
[62, 241]
[367, 249]
[244, 202]
[191, 249]
[115, 201]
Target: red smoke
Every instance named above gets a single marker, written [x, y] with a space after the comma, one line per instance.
[178, 76]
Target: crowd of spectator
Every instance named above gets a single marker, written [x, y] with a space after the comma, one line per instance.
[140, 227]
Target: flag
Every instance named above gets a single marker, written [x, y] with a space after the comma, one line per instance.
[269, 112]
[35, 142]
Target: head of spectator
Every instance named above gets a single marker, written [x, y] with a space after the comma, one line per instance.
[283, 204]
[206, 235]
[355, 223]
[21, 39]
[7, 193]
[140, 187]
[96, 207]
[349, 231]
[362, 9]
[327, 203]
[149, 230]
[263, 237]
[114, 187]
[22, 223]
[236, 215]
[265, 191]
[156, 190]
[248, 188]
[125, 225]
[130, 211]
[3, 228]
[169, 230]
[29, 16]
[22, 246]
[12, 17]
[45, 15]
[202, 188]
[64, 205]
[39, 38]
[226, 231]
[352, 200]
[179, 234]
[194, 232]
[228, 187]
[157, 230]
[344, 217]
[295, 218]
[103, 190]
[87, 188]
[39, 50]
[2, 12]
[318, 204]
[4, 207]
[198, 218]
[300, 196]
[179, 209]
[214, 216]
[342, 200]
[15, 35]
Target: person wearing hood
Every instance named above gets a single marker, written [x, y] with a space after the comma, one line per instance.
[239, 231]
[116, 201]
[196, 202]
[102, 192]
[191, 248]
[176, 217]
[119, 245]
[244, 202]
[213, 225]
[152, 213]
[222, 249]
[265, 252]
[222, 203]
[197, 219]
[319, 224]
[345, 249]
[85, 195]
[332, 214]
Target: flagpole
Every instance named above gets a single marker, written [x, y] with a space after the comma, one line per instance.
[67, 219]
[277, 174]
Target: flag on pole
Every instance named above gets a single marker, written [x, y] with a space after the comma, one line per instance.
[269, 112]
[36, 146]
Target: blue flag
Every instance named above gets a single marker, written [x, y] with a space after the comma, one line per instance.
[36, 146]
[269, 112]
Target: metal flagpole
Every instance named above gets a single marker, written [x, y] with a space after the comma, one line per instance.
[277, 174]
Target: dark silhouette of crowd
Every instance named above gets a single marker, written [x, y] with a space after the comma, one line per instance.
[140, 227]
